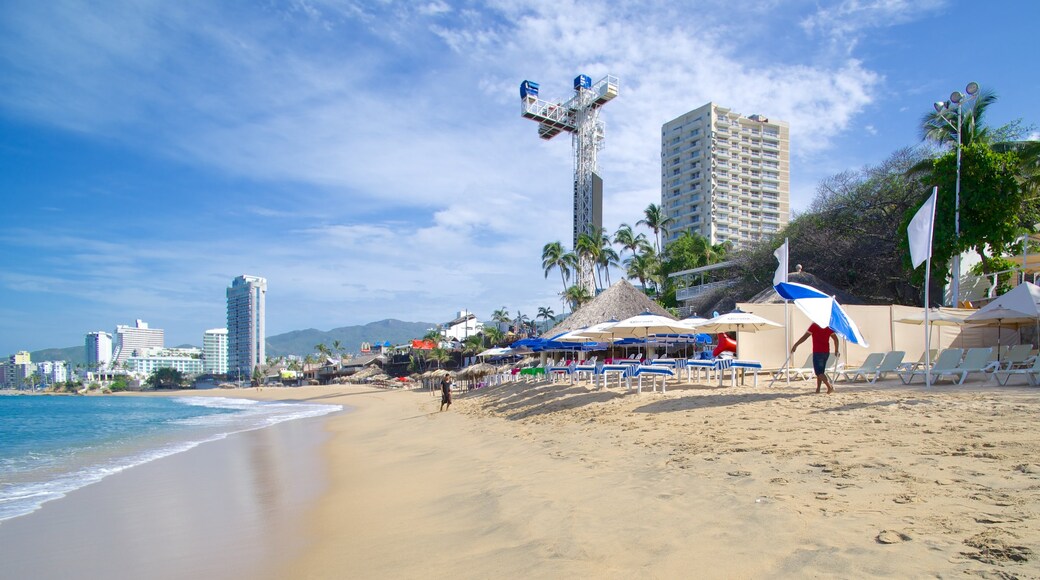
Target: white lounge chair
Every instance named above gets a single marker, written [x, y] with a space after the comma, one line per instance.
[947, 361]
[1014, 356]
[893, 360]
[933, 355]
[1032, 374]
[975, 361]
[870, 365]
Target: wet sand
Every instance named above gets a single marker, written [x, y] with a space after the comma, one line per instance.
[226, 509]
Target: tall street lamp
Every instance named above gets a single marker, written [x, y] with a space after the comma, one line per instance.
[957, 100]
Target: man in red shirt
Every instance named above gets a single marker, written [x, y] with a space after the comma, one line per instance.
[820, 352]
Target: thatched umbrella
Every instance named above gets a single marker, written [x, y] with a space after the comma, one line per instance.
[477, 370]
[622, 300]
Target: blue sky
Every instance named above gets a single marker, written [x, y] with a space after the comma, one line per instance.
[369, 159]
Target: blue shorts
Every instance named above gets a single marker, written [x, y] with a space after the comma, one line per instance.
[819, 362]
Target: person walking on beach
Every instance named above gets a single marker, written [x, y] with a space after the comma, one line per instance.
[446, 392]
[820, 353]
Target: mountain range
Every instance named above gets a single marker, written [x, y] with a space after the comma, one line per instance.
[298, 342]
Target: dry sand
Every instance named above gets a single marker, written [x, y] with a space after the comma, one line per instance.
[540, 480]
[548, 481]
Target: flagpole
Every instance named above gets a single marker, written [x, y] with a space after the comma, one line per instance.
[927, 284]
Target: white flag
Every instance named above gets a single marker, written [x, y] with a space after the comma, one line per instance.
[782, 269]
[919, 232]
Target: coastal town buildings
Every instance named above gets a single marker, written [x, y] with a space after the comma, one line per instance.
[463, 326]
[130, 340]
[215, 351]
[246, 326]
[725, 176]
[99, 349]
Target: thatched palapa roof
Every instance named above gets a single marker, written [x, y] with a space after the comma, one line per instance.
[620, 301]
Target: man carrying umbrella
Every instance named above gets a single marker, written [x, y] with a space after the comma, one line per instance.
[820, 351]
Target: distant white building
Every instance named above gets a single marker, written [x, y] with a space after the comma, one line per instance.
[148, 360]
[463, 326]
[215, 351]
[52, 371]
[99, 349]
[129, 340]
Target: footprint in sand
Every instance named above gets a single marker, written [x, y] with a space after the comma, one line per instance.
[891, 537]
[994, 547]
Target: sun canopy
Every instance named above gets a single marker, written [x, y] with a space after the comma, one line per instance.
[822, 309]
[1021, 304]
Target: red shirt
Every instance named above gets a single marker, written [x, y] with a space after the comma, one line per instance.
[820, 338]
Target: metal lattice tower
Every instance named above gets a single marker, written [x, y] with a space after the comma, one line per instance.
[578, 116]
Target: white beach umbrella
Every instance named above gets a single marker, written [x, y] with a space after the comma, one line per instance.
[936, 317]
[736, 321]
[641, 326]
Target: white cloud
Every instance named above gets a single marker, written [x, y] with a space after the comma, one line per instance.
[398, 133]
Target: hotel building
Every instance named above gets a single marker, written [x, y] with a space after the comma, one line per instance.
[725, 176]
[246, 326]
[130, 340]
[215, 351]
[99, 349]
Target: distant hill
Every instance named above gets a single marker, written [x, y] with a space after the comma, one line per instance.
[302, 342]
[75, 355]
[298, 342]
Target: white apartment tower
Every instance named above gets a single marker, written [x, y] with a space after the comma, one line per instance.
[246, 327]
[99, 349]
[128, 340]
[725, 176]
[215, 351]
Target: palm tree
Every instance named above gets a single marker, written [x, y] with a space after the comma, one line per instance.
[473, 344]
[433, 335]
[608, 257]
[588, 250]
[323, 351]
[520, 321]
[494, 335]
[337, 347]
[555, 257]
[657, 221]
[576, 296]
[935, 128]
[545, 313]
[643, 267]
[440, 355]
[628, 240]
[501, 316]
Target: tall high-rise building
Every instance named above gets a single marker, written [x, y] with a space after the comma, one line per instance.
[215, 351]
[725, 176]
[129, 340]
[246, 326]
[99, 349]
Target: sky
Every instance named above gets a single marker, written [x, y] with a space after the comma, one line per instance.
[369, 158]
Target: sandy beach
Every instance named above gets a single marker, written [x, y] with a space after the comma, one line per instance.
[549, 480]
[559, 480]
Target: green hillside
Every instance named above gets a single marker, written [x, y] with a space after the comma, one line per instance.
[75, 355]
[302, 342]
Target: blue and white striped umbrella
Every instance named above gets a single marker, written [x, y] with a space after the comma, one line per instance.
[822, 309]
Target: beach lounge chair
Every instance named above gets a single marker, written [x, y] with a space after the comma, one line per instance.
[891, 363]
[975, 361]
[621, 371]
[870, 365]
[743, 366]
[792, 370]
[947, 360]
[589, 367]
[653, 371]
[1013, 356]
[913, 366]
[1031, 373]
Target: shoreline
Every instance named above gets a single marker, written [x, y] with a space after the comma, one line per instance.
[546, 480]
[220, 509]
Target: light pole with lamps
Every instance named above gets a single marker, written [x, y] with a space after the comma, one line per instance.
[957, 100]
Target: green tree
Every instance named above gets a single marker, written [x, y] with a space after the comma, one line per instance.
[545, 313]
[689, 251]
[166, 378]
[473, 344]
[588, 250]
[337, 347]
[576, 296]
[643, 267]
[991, 202]
[555, 257]
[655, 219]
[439, 355]
[628, 240]
[494, 335]
[501, 316]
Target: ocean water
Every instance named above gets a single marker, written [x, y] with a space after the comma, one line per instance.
[51, 445]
